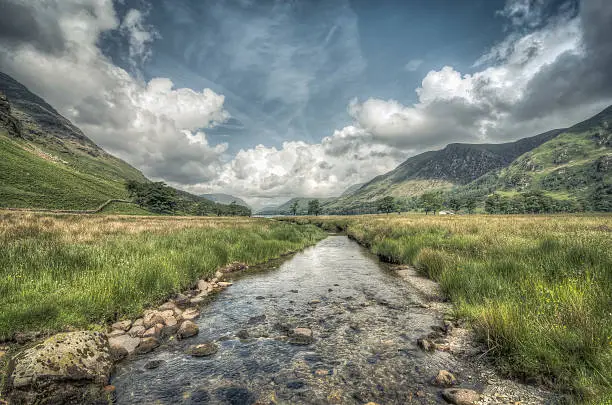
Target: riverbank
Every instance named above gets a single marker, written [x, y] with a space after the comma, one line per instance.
[66, 272]
[536, 289]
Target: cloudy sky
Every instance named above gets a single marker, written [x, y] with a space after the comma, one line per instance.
[269, 99]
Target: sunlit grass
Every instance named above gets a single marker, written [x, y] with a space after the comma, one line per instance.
[537, 289]
[61, 271]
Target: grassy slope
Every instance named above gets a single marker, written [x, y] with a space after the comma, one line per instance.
[538, 289]
[29, 180]
[59, 271]
[121, 208]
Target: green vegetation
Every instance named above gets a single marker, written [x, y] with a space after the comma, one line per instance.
[314, 207]
[537, 289]
[123, 208]
[61, 271]
[31, 179]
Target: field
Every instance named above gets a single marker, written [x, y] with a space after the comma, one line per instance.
[537, 289]
[77, 271]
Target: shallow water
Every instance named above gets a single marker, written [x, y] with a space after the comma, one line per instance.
[365, 328]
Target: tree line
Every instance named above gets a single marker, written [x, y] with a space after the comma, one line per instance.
[159, 198]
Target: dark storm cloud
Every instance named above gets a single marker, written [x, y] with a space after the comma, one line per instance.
[21, 23]
[575, 78]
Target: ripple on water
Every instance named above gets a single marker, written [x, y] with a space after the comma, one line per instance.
[362, 317]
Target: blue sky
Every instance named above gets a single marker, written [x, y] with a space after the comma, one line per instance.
[289, 71]
[273, 99]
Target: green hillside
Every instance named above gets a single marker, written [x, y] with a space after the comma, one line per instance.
[30, 178]
[224, 199]
[575, 167]
[47, 162]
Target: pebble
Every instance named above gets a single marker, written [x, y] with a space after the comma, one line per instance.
[203, 349]
[460, 396]
[444, 379]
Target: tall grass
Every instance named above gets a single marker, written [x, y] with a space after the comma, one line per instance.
[62, 271]
[538, 289]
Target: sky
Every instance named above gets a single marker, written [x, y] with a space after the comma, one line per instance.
[273, 99]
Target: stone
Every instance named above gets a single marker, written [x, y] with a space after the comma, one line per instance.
[461, 396]
[153, 331]
[181, 301]
[444, 378]
[137, 331]
[187, 329]
[153, 364]
[203, 349]
[127, 342]
[138, 322]
[234, 267]
[122, 325]
[294, 291]
[152, 319]
[65, 368]
[190, 314]
[118, 352]
[321, 372]
[314, 302]
[116, 332]
[197, 300]
[166, 314]
[170, 327]
[203, 285]
[301, 336]
[426, 345]
[147, 345]
[177, 312]
[224, 284]
[167, 306]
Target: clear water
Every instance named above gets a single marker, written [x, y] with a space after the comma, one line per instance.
[365, 330]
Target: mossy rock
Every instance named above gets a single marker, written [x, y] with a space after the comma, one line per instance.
[66, 368]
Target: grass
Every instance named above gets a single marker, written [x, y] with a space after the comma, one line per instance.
[537, 289]
[75, 271]
[31, 180]
[123, 208]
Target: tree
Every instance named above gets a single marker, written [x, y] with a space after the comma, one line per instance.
[470, 204]
[492, 204]
[430, 202]
[386, 204]
[454, 204]
[294, 208]
[156, 197]
[314, 207]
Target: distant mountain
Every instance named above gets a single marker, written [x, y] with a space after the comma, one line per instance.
[570, 163]
[224, 199]
[285, 208]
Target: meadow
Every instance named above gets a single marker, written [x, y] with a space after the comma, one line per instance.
[537, 289]
[59, 272]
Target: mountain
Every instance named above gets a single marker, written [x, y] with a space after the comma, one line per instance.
[351, 189]
[47, 162]
[285, 208]
[224, 199]
[576, 165]
[568, 164]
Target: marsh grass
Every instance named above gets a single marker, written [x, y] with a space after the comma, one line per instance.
[537, 289]
[65, 271]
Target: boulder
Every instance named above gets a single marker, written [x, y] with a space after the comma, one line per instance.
[301, 336]
[153, 331]
[444, 378]
[461, 396]
[167, 313]
[203, 285]
[67, 368]
[203, 349]
[187, 329]
[426, 345]
[137, 331]
[190, 314]
[224, 284]
[181, 301]
[146, 345]
[118, 352]
[138, 322]
[125, 341]
[152, 318]
[170, 326]
[233, 267]
[123, 325]
[116, 332]
[167, 306]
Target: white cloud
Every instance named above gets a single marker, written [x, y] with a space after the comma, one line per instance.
[152, 125]
[413, 65]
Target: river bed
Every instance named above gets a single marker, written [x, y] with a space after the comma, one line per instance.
[365, 321]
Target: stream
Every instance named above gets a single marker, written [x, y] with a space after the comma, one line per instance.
[365, 321]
